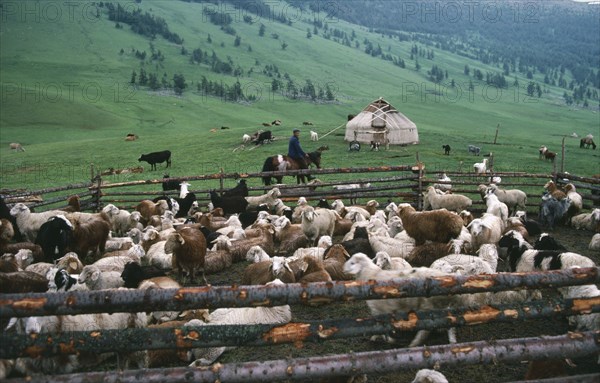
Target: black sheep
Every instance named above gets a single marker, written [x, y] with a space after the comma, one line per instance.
[170, 184]
[230, 205]
[209, 235]
[323, 203]
[546, 242]
[185, 204]
[247, 218]
[241, 189]
[360, 243]
[54, 236]
[133, 274]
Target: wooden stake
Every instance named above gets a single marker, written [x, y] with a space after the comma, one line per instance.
[496, 137]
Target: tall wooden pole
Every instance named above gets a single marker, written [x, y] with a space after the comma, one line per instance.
[496, 136]
[562, 156]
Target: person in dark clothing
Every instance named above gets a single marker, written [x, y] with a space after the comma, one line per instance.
[295, 150]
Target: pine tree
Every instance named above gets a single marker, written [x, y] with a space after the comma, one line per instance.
[261, 30]
[133, 75]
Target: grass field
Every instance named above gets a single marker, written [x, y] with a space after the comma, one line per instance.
[65, 96]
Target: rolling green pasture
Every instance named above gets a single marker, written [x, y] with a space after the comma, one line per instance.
[66, 98]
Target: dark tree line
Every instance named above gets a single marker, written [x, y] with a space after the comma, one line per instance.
[144, 24]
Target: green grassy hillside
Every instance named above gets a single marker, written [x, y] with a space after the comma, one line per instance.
[66, 97]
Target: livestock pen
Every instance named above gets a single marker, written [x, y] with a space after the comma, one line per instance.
[331, 325]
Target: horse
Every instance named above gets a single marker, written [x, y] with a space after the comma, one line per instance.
[282, 163]
[587, 141]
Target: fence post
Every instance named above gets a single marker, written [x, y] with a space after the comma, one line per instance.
[420, 184]
[562, 156]
[221, 177]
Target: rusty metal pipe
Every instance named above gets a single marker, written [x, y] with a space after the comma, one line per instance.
[373, 362]
[127, 340]
[111, 301]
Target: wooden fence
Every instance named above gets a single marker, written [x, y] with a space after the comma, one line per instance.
[395, 183]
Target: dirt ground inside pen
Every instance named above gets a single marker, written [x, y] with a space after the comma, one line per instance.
[573, 240]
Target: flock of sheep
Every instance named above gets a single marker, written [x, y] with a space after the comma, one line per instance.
[63, 250]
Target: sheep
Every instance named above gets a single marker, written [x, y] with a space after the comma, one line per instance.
[29, 223]
[230, 205]
[480, 167]
[334, 259]
[453, 202]
[276, 315]
[343, 211]
[239, 248]
[463, 264]
[552, 210]
[522, 258]
[385, 262]
[588, 221]
[95, 279]
[246, 139]
[547, 242]
[360, 243]
[257, 254]
[595, 242]
[364, 269]
[90, 236]
[429, 376]
[17, 147]
[160, 283]
[217, 260]
[466, 216]
[148, 208]
[576, 201]
[585, 322]
[269, 199]
[261, 273]
[69, 262]
[426, 254]
[314, 272]
[8, 264]
[22, 282]
[445, 185]
[314, 136]
[188, 205]
[71, 323]
[495, 207]
[551, 187]
[392, 246]
[437, 226]
[119, 243]
[317, 252]
[23, 258]
[117, 263]
[54, 236]
[515, 223]
[487, 229]
[134, 273]
[316, 223]
[189, 251]
[513, 198]
[291, 237]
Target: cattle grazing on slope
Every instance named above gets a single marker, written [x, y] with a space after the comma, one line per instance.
[156, 158]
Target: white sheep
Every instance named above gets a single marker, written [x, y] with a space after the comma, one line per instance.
[29, 223]
[314, 136]
[429, 376]
[587, 221]
[246, 138]
[452, 202]
[487, 229]
[364, 269]
[316, 223]
[71, 323]
[117, 263]
[269, 199]
[495, 207]
[595, 242]
[445, 185]
[276, 315]
[257, 254]
[356, 212]
[157, 256]
[385, 262]
[469, 264]
[481, 167]
[95, 279]
[317, 252]
[515, 199]
[395, 248]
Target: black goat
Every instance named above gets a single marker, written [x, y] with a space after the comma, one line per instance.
[185, 205]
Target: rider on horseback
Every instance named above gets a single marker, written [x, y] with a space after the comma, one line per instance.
[296, 152]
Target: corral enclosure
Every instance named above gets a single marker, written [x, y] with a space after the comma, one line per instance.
[330, 325]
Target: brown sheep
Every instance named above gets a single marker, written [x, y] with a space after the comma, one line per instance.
[73, 204]
[466, 216]
[290, 236]
[7, 231]
[240, 247]
[89, 236]
[8, 264]
[514, 223]
[189, 252]
[314, 272]
[261, 273]
[148, 208]
[6, 234]
[333, 262]
[426, 254]
[22, 282]
[554, 190]
[436, 226]
[342, 226]
[217, 261]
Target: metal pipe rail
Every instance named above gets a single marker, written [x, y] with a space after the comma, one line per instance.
[110, 301]
[374, 362]
[136, 339]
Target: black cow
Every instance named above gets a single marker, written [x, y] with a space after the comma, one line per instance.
[156, 158]
[447, 149]
[264, 138]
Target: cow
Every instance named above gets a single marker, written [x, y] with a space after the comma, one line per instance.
[264, 138]
[156, 158]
